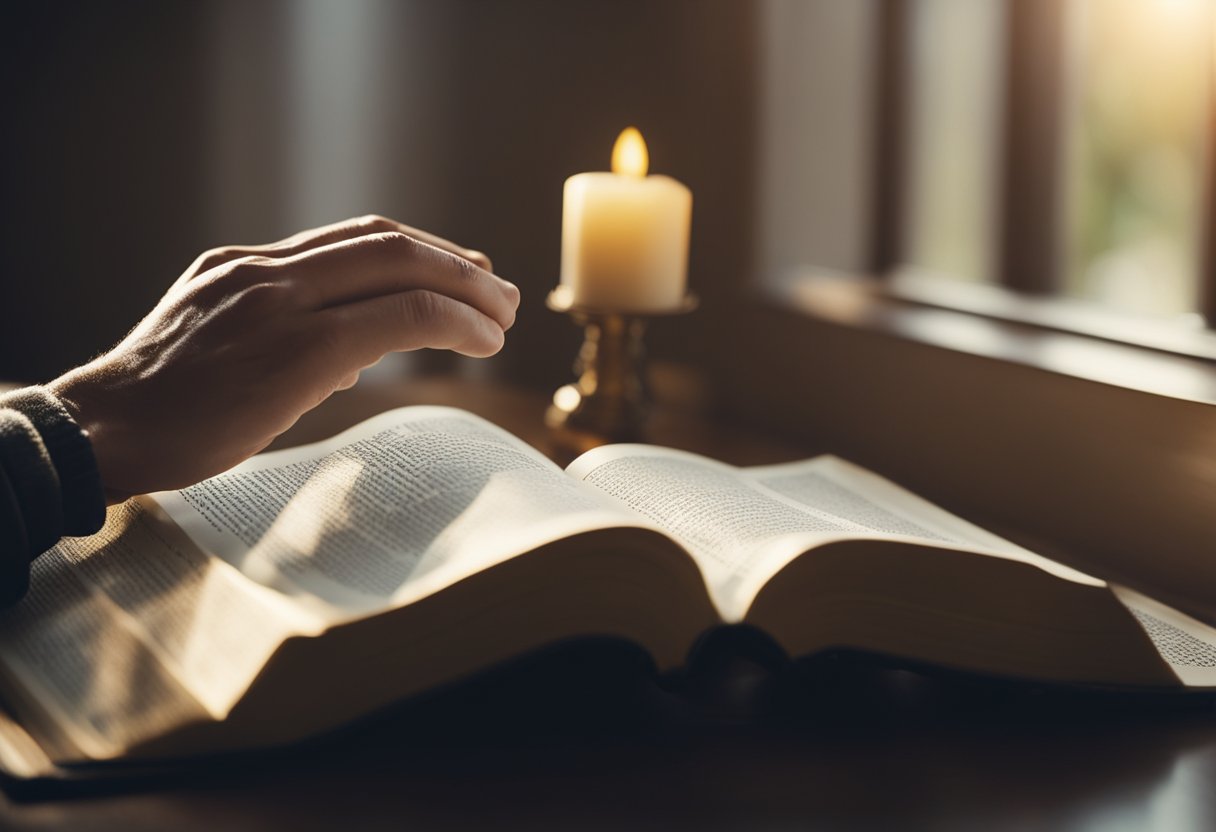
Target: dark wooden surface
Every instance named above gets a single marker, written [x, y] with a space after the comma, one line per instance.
[588, 740]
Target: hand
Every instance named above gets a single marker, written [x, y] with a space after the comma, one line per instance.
[250, 338]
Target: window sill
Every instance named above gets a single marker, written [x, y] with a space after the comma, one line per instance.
[1055, 336]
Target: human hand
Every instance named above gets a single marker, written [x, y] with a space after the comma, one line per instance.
[250, 338]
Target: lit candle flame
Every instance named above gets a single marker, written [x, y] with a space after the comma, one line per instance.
[629, 156]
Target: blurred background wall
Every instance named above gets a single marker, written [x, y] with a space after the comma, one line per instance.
[1056, 147]
[137, 134]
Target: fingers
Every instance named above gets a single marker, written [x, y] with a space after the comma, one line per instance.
[348, 381]
[478, 258]
[327, 235]
[358, 334]
[388, 264]
[373, 223]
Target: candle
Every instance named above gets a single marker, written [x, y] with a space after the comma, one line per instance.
[625, 234]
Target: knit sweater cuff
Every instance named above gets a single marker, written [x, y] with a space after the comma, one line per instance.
[14, 543]
[35, 488]
[83, 499]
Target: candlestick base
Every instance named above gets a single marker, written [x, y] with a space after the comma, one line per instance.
[610, 400]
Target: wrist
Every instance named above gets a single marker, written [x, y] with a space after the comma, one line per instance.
[76, 392]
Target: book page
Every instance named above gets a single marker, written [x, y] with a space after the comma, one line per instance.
[390, 511]
[1187, 644]
[129, 631]
[742, 531]
[726, 521]
[849, 491]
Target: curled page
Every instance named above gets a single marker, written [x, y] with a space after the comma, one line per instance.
[744, 525]
[390, 511]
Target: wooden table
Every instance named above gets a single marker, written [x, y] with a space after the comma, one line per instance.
[586, 739]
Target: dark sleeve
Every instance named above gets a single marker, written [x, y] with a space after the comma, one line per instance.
[14, 545]
[49, 485]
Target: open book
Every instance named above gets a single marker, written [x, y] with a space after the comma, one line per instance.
[310, 586]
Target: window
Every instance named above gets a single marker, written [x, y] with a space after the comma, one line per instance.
[953, 143]
[1052, 148]
[1141, 75]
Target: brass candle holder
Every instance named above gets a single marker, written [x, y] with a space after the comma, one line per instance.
[610, 400]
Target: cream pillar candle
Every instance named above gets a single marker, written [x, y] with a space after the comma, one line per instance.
[625, 234]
